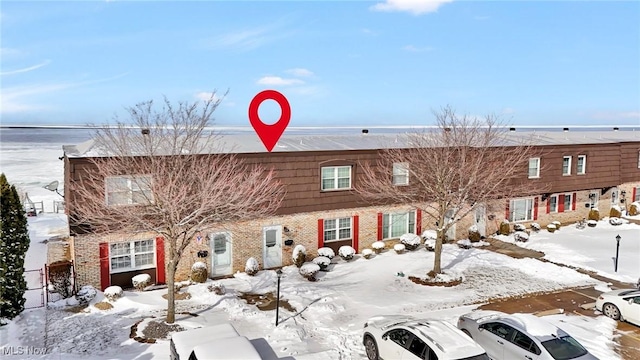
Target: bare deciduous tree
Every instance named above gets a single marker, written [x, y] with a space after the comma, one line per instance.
[459, 165]
[176, 181]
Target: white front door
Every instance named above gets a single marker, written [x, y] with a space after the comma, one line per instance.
[481, 220]
[221, 254]
[272, 246]
[448, 218]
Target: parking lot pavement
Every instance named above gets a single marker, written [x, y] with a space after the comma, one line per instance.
[570, 301]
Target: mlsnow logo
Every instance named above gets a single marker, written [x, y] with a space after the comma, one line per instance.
[22, 350]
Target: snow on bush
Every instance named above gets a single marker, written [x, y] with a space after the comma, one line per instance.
[366, 253]
[309, 271]
[551, 228]
[592, 223]
[535, 226]
[634, 208]
[141, 281]
[518, 227]
[217, 288]
[378, 246]
[299, 255]
[429, 234]
[464, 243]
[198, 265]
[474, 233]
[322, 261]
[113, 293]
[399, 248]
[251, 267]
[86, 294]
[521, 236]
[480, 243]
[617, 221]
[326, 252]
[199, 272]
[557, 224]
[346, 252]
[430, 244]
[410, 241]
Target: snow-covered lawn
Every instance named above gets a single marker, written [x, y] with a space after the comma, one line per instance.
[330, 312]
[592, 249]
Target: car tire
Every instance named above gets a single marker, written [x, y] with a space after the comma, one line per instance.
[370, 348]
[611, 311]
[467, 332]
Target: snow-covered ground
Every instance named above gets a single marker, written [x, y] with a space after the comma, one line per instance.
[592, 249]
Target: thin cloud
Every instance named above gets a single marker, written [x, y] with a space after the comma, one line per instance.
[206, 96]
[412, 48]
[415, 7]
[245, 40]
[299, 72]
[278, 81]
[24, 70]
[616, 115]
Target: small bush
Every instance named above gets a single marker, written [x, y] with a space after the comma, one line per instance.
[464, 244]
[615, 212]
[326, 252]
[557, 224]
[199, 272]
[86, 294]
[535, 227]
[518, 227]
[410, 241]
[141, 281]
[399, 248]
[346, 252]
[505, 228]
[592, 223]
[251, 267]
[60, 279]
[323, 262]
[594, 214]
[113, 293]
[634, 208]
[615, 221]
[551, 228]
[378, 246]
[430, 244]
[217, 288]
[299, 255]
[366, 253]
[309, 271]
[521, 236]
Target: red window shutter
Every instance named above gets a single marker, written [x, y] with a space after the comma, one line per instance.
[633, 197]
[506, 212]
[160, 268]
[535, 208]
[379, 226]
[573, 202]
[356, 226]
[560, 203]
[418, 222]
[320, 233]
[548, 204]
[105, 277]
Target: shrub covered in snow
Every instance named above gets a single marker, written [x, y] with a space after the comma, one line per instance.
[592, 223]
[366, 253]
[430, 244]
[615, 211]
[551, 228]
[519, 227]
[557, 224]
[141, 281]
[535, 227]
[217, 288]
[346, 252]
[429, 235]
[634, 208]
[615, 221]
[86, 294]
[410, 241]
[326, 252]
[474, 233]
[251, 267]
[521, 236]
[378, 246]
[299, 255]
[399, 248]
[323, 262]
[464, 243]
[113, 293]
[309, 271]
[505, 228]
[199, 272]
[594, 214]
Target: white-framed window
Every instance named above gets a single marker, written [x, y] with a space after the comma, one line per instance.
[637, 194]
[581, 166]
[594, 197]
[638, 159]
[562, 199]
[534, 168]
[615, 197]
[553, 203]
[401, 173]
[395, 225]
[568, 200]
[521, 209]
[337, 229]
[566, 165]
[336, 177]
[133, 255]
[128, 190]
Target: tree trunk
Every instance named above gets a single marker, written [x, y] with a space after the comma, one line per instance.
[441, 233]
[171, 298]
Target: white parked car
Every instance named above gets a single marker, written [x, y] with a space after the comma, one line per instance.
[182, 343]
[520, 336]
[404, 337]
[234, 348]
[621, 305]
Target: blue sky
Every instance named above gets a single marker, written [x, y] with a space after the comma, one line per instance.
[338, 63]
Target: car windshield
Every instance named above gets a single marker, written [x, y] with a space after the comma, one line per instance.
[564, 348]
[478, 357]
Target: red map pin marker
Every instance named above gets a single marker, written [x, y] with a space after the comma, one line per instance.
[269, 134]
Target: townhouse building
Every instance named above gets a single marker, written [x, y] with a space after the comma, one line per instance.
[584, 170]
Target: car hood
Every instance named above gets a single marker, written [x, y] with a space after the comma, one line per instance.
[385, 321]
[622, 292]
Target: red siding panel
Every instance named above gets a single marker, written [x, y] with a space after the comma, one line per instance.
[320, 233]
[549, 205]
[418, 222]
[379, 226]
[105, 277]
[535, 208]
[506, 211]
[356, 227]
[160, 268]
[573, 202]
